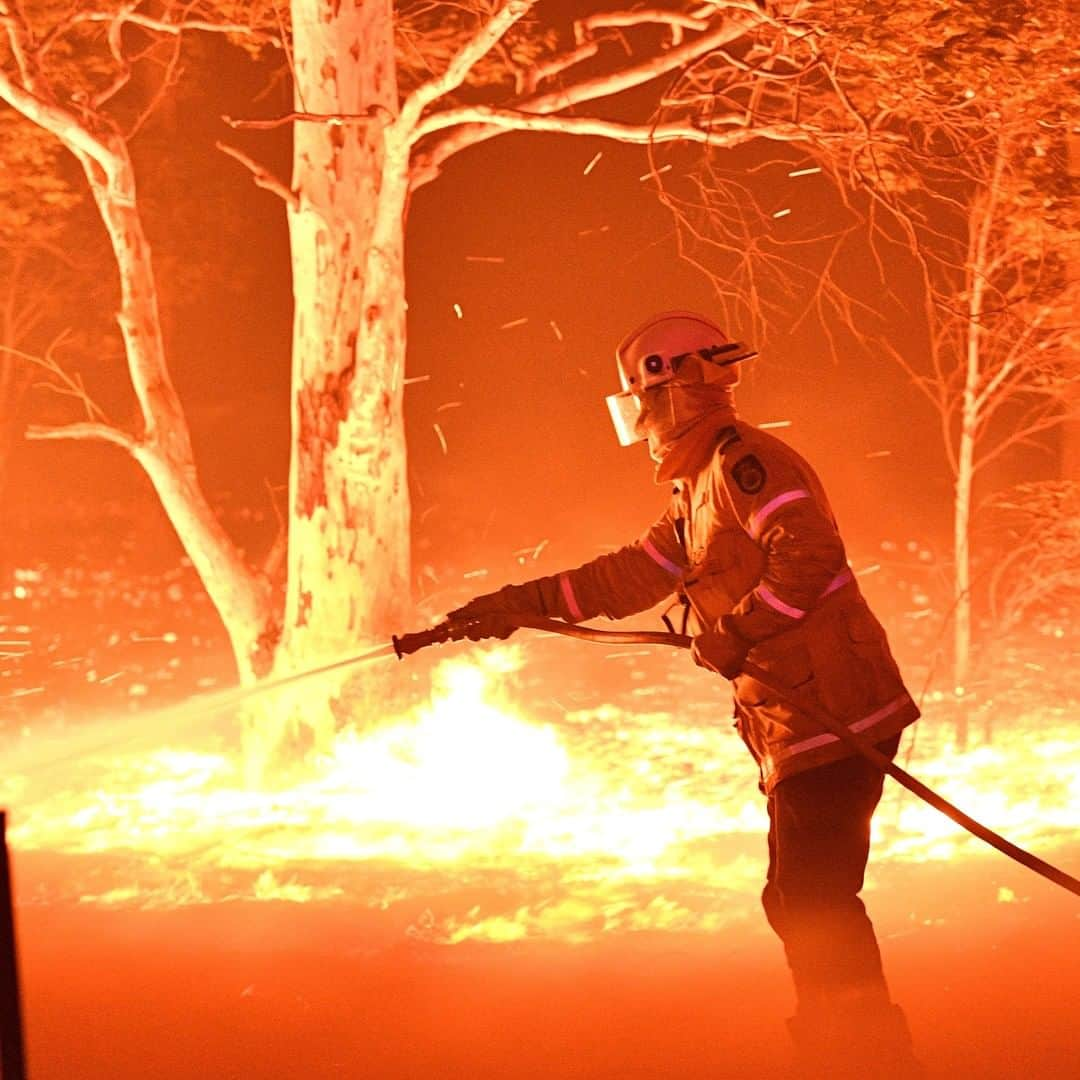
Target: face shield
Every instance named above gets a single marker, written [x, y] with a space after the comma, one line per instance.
[674, 347]
[626, 407]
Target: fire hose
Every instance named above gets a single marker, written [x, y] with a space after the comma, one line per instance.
[457, 631]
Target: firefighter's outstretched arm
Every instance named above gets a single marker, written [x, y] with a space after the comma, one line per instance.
[615, 585]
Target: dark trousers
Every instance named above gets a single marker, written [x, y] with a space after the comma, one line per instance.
[819, 840]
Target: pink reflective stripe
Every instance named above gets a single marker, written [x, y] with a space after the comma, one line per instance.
[837, 582]
[569, 597]
[774, 601]
[660, 559]
[769, 764]
[757, 520]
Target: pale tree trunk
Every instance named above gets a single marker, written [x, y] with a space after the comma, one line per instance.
[962, 518]
[348, 553]
[1070, 435]
[965, 475]
[164, 446]
[978, 266]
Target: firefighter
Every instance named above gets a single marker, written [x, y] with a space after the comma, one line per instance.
[749, 545]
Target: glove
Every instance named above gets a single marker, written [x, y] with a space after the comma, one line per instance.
[487, 614]
[720, 650]
[505, 601]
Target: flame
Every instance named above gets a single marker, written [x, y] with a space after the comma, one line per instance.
[609, 820]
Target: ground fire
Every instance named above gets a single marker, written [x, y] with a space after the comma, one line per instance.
[347, 352]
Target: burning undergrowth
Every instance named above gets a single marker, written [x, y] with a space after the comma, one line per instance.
[509, 800]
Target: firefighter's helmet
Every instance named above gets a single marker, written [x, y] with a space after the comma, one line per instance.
[672, 346]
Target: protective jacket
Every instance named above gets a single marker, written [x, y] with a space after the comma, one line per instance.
[749, 537]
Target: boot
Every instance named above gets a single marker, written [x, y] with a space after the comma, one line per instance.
[862, 1044]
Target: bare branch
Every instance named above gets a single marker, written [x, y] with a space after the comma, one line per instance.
[471, 53]
[331, 119]
[85, 430]
[538, 73]
[262, 176]
[167, 26]
[65, 125]
[64, 383]
[612, 83]
[116, 47]
[17, 33]
[511, 120]
[676, 20]
[1044, 419]
[588, 89]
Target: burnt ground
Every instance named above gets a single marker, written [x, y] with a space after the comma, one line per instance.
[289, 991]
[981, 954]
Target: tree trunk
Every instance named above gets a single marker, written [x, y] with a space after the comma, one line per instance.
[1070, 434]
[348, 557]
[163, 448]
[977, 272]
[965, 473]
[962, 541]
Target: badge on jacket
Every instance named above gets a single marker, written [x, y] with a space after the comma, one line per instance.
[749, 474]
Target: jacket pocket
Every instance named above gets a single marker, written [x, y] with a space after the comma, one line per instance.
[791, 670]
[856, 672]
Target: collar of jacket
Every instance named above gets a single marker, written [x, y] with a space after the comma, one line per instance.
[693, 449]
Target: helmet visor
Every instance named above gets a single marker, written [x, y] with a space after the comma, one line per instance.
[625, 410]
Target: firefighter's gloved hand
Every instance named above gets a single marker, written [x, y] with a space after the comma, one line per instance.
[720, 650]
[489, 626]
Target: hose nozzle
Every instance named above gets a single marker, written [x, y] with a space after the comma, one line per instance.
[475, 629]
[407, 644]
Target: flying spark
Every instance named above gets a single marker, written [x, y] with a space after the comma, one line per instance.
[782, 213]
[555, 329]
[512, 323]
[441, 436]
[805, 172]
[416, 379]
[485, 258]
[457, 311]
[662, 169]
[879, 453]
[592, 164]
[775, 424]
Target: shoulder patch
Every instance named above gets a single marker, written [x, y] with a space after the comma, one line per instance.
[749, 474]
